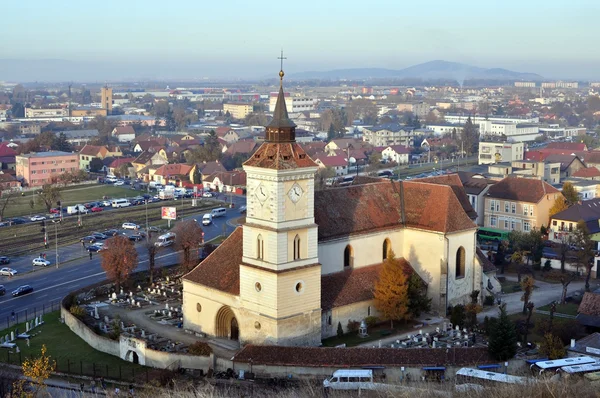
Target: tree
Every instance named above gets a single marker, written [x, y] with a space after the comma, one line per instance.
[585, 250]
[473, 308]
[564, 248]
[6, 198]
[418, 301]
[552, 347]
[565, 280]
[361, 108]
[374, 161]
[527, 285]
[152, 249]
[560, 204]
[570, 194]
[469, 136]
[96, 165]
[188, 239]
[17, 110]
[530, 306]
[48, 195]
[331, 134]
[458, 315]
[321, 177]
[119, 259]
[124, 170]
[161, 108]
[61, 144]
[37, 370]
[391, 290]
[502, 344]
[340, 330]
[210, 151]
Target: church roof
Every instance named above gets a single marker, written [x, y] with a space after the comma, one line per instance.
[280, 156]
[280, 114]
[361, 208]
[453, 180]
[221, 269]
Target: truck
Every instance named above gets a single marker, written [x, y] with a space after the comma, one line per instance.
[167, 193]
[77, 209]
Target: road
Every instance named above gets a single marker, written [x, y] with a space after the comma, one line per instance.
[79, 271]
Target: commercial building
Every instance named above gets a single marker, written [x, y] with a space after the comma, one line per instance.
[389, 134]
[294, 104]
[460, 119]
[508, 130]
[46, 112]
[496, 152]
[88, 111]
[39, 168]
[525, 84]
[420, 109]
[238, 110]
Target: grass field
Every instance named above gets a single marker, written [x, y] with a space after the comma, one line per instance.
[568, 308]
[79, 194]
[71, 353]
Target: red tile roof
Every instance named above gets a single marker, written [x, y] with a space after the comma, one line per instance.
[569, 146]
[521, 189]
[453, 180]
[177, 169]
[333, 161]
[124, 130]
[280, 156]
[119, 162]
[590, 304]
[221, 269]
[91, 150]
[234, 178]
[242, 147]
[314, 147]
[211, 168]
[360, 357]
[5, 150]
[588, 172]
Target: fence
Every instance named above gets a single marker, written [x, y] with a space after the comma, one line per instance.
[29, 314]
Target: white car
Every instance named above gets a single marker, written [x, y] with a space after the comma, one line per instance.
[119, 183]
[41, 262]
[37, 218]
[7, 271]
[106, 203]
[207, 195]
[130, 225]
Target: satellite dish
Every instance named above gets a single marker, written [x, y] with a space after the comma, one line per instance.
[352, 160]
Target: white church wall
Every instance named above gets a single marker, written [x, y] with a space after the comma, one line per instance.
[352, 312]
[210, 300]
[459, 288]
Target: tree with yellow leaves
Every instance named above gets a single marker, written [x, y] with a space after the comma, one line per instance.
[527, 285]
[391, 290]
[37, 370]
[560, 204]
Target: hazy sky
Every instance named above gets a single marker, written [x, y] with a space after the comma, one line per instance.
[231, 38]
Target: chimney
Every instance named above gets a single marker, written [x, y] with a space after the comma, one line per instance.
[572, 343]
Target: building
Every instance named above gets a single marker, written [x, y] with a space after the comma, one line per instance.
[338, 163]
[446, 128]
[396, 153]
[569, 164]
[476, 186]
[124, 133]
[563, 224]
[175, 173]
[547, 171]
[305, 262]
[519, 204]
[294, 104]
[89, 153]
[79, 137]
[238, 110]
[37, 169]
[30, 128]
[41, 113]
[496, 152]
[519, 132]
[525, 84]
[88, 111]
[106, 99]
[419, 109]
[461, 119]
[388, 134]
[7, 157]
[588, 173]
[229, 181]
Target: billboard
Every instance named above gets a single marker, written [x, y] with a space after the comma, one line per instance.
[169, 213]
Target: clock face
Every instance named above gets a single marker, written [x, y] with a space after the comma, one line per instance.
[261, 193]
[295, 193]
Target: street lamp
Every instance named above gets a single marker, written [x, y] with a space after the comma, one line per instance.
[56, 222]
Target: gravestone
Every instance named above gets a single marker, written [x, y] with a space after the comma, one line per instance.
[106, 319]
[6, 339]
[26, 327]
[114, 296]
[96, 315]
[138, 304]
[121, 292]
[12, 336]
[143, 333]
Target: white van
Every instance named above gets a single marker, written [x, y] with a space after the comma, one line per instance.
[120, 203]
[350, 379]
[165, 240]
[206, 219]
[218, 212]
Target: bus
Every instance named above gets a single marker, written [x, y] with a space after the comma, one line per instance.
[471, 377]
[579, 369]
[556, 364]
[490, 234]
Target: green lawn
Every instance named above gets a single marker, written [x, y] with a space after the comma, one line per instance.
[71, 353]
[568, 308]
[69, 196]
[376, 333]
[509, 286]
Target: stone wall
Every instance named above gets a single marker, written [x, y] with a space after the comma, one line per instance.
[99, 343]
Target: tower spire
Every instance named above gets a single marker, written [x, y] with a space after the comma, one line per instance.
[281, 128]
[281, 74]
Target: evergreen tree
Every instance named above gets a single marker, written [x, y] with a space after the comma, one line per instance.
[61, 144]
[418, 301]
[331, 134]
[502, 344]
[340, 330]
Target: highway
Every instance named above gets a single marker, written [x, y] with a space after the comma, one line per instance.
[76, 270]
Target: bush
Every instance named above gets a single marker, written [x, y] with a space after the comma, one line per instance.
[547, 266]
[77, 311]
[458, 315]
[567, 330]
[488, 300]
[340, 330]
[200, 348]
[353, 326]
[552, 347]
[371, 321]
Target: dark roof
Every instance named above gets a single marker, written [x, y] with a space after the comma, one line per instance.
[361, 208]
[564, 160]
[211, 168]
[221, 269]
[521, 189]
[590, 304]
[589, 320]
[353, 357]
[280, 156]
[593, 340]
[280, 114]
[486, 264]
[144, 158]
[588, 210]
[453, 181]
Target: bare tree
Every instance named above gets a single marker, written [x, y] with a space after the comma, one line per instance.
[564, 248]
[119, 259]
[48, 195]
[565, 280]
[152, 249]
[188, 239]
[6, 198]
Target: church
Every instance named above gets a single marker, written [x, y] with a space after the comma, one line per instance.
[305, 261]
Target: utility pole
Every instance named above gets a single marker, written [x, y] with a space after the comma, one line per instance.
[56, 239]
[147, 228]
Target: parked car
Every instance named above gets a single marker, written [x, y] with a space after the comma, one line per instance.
[118, 183]
[94, 248]
[154, 229]
[4, 260]
[39, 261]
[37, 217]
[55, 211]
[207, 195]
[88, 205]
[106, 203]
[8, 271]
[99, 235]
[111, 232]
[18, 220]
[21, 290]
[96, 209]
[136, 237]
[2, 290]
[242, 209]
[88, 239]
[130, 225]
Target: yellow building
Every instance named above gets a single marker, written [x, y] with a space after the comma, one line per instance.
[238, 110]
[88, 111]
[305, 262]
[106, 98]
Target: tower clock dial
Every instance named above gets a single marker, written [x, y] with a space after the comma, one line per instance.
[295, 193]
[261, 193]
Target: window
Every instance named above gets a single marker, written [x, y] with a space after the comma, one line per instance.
[531, 210]
[506, 207]
[493, 221]
[297, 248]
[512, 225]
[386, 248]
[460, 262]
[369, 311]
[260, 247]
[494, 205]
[526, 226]
[513, 208]
[525, 210]
[348, 256]
[554, 223]
[299, 287]
[505, 224]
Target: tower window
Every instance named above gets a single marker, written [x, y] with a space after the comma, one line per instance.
[460, 262]
[297, 248]
[260, 247]
[348, 256]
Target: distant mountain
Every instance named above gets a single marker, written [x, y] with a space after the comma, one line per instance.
[427, 71]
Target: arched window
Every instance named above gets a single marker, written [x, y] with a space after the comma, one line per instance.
[369, 311]
[348, 256]
[460, 262]
[386, 249]
[260, 247]
[297, 248]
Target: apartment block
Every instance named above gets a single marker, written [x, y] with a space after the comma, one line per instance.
[39, 168]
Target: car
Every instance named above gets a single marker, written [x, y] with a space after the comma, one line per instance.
[118, 183]
[88, 239]
[7, 271]
[106, 203]
[39, 261]
[18, 220]
[94, 248]
[2, 290]
[111, 232]
[88, 205]
[52, 216]
[21, 290]
[242, 209]
[130, 225]
[207, 195]
[55, 211]
[5, 224]
[136, 237]
[96, 209]
[154, 229]
[37, 217]
[4, 260]
[99, 235]
[146, 196]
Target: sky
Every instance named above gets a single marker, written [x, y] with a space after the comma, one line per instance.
[132, 39]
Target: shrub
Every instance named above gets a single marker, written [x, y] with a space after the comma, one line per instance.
[200, 348]
[77, 311]
[458, 315]
[488, 300]
[353, 325]
[552, 347]
[340, 330]
[547, 266]
[567, 330]
[371, 321]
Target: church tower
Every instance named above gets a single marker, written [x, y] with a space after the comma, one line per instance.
[280, 274]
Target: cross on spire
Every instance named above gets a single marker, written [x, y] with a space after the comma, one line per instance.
[281, 57]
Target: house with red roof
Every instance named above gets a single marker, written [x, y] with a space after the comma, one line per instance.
[124, 133]
[7, 157]
[396, 153]
[175, 173]
[228, 181]
[588, 173]
[114, 167]
[338, 163]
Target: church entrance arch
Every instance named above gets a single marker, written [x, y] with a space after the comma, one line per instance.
[227, 324]
[132, 356]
